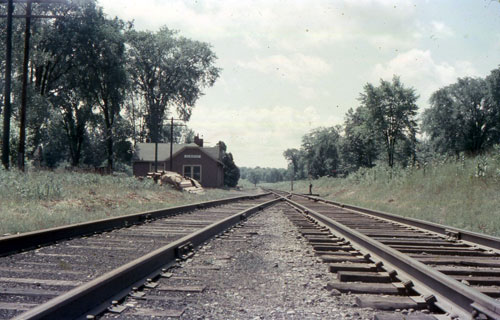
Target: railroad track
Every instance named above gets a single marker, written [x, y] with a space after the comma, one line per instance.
[47, 275]
[178, 291]
[399, 263]
[260, 269]
[426, 270]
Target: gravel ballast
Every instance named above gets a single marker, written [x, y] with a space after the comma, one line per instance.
[262, 270]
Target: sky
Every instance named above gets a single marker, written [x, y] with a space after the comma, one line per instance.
[291, 66]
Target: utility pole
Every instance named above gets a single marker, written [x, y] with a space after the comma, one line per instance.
[156, 155]
[8, 71]
[24, 93]
[8, 78]
[171, 142]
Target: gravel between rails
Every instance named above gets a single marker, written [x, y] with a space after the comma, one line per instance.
[263, 270]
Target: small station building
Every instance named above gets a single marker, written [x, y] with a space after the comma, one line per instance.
[191, 160]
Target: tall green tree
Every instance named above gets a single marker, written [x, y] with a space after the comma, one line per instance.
[439, 124]
[464, 116]
[169, 72]
[392, 110]
[80, 67]
[107, 73]
[63, 74]
[359, 147]
[293, 158]
[493, 82]
[54, 149]
[321, 151]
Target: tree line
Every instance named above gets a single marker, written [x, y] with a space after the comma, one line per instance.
[96, 86]
[463, 118]
[258, 174]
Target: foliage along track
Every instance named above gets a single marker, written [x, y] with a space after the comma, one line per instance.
[39, 277]
[473, 269]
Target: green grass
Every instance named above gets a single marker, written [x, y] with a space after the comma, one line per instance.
[39, 200]
[464, 194]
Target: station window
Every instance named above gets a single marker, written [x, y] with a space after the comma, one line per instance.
[192, 172]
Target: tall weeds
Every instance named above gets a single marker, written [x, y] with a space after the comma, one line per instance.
[36, 200]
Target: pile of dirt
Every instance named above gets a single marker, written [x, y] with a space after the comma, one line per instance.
[178, 181]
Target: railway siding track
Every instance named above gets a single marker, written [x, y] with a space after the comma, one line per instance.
[71, 278]
[459, 277]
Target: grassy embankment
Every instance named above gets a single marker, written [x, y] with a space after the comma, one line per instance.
[39, 200]
[464, 194]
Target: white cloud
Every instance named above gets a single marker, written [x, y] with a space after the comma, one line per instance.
[434, 30]
[497, 43]
[386, 3]
[259, 23]
[257, 136]
[252, 42]
[296, 67]
[308, 93]
[440, 29]
[389, 41]
[418, 69]
[205, 17]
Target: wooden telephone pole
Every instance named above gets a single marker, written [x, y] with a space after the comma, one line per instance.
[171, 143]
[8, 73]
[8, 79]
[24, 93]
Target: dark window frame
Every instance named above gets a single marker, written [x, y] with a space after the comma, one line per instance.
[191, 173]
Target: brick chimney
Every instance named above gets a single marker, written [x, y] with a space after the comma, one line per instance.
[198, 141]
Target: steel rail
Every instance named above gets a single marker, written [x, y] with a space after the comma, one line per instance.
[28, 240]
[80, 301]
[463, 300]
[473, 237]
